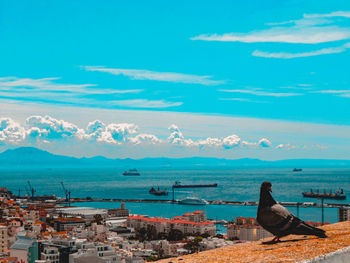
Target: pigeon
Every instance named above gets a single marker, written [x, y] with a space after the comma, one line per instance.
[278, 220]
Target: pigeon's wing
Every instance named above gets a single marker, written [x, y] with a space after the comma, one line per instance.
[281, 211]
[275, 219]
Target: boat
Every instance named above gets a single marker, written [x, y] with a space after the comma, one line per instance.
[338, 195]
[193, 201]
[158, 191]
[131, 172]
[297, 170]
[177, 184]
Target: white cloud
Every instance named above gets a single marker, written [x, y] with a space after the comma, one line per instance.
[308, 30]
[47, 85]
[11, 132]
[43, 84]
[264, 143]
[145, 139]
[339, 93]
[333, 14]
[303, 35]
[118, 133]
[95, 129]
[303, 22]
[231, 141]
[40, 130]
[286, 55]
[211, 142]
[287, 146]
[141, 74]
[50, 128]
[143, 103]
[333, 91]
[176, 137]
[262, 93]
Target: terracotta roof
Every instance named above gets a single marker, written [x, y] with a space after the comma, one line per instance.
[164, 220]
[292, 249]
[188, 214]
[177, 217]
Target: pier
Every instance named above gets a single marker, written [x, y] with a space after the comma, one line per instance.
[210, 202]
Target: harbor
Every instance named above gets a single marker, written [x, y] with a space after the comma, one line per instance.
[210, 202]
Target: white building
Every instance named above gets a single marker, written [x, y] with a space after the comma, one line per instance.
[197, 216]
[247, 232]
[344, 214]
[164, 225]
[50, 255]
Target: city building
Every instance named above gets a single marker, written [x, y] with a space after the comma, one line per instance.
[50, 255]
[87, 213]
[120, 212]
[246, 228]
[25, 249]
[164, 225]
[197, 216]
[344, 214]
[67, 223]
[3, 240]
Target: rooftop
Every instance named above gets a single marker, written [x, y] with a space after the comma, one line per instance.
[69, 219]
[176, 220]
[292, 249]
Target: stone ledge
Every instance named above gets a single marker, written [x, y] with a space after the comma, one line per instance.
[339, 256]
[292, 249]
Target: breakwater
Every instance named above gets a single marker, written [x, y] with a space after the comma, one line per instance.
[210, 202]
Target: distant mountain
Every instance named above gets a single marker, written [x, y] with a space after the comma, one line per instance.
[30, 156]
[33, 156]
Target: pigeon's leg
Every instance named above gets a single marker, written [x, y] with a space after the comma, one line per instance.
[275, 239]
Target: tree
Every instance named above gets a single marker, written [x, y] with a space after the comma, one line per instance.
[98, 219]
[175, 235]
[193, 245]
[162, 236]
[152, 258]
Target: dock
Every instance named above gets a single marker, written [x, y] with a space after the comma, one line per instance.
[210, 202]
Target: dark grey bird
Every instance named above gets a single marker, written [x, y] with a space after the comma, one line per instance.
[278, 220]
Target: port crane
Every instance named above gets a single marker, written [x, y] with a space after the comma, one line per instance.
[66, 192]
[31, 190]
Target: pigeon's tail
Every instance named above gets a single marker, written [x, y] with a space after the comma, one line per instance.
[305, 229]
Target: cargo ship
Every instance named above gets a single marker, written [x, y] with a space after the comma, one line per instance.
[297, 170]
[338, 195]
[158, 191]
[177, 184]
[131, 172]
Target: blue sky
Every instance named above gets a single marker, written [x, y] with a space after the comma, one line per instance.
[267, 72]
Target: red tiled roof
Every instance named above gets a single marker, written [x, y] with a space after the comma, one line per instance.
[188, 214]
[163, 220]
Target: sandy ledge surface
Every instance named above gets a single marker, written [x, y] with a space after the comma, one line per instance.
[292, 249]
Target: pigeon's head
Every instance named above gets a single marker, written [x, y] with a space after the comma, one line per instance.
[266, 187]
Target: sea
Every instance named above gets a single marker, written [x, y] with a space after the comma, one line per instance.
[233, 185]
